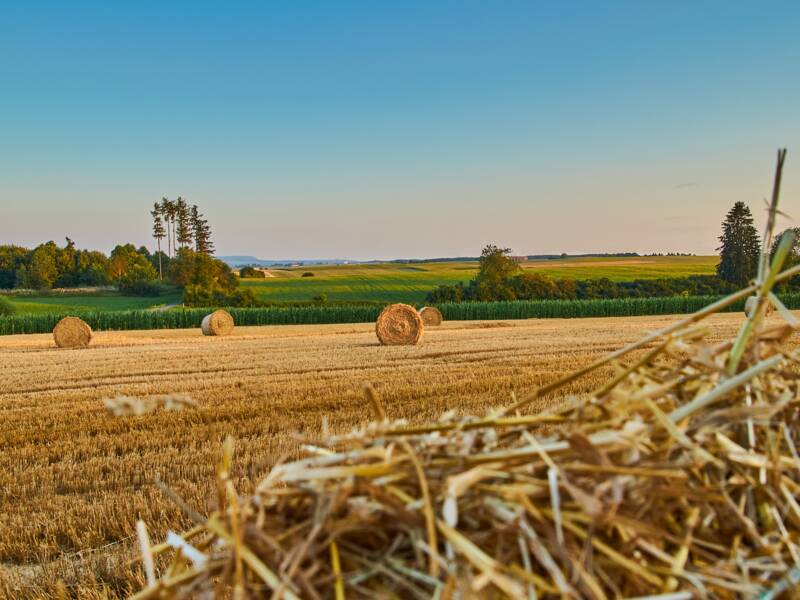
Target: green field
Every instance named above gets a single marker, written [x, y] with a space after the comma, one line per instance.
[385, 282]
[391, 282]
[50, 304]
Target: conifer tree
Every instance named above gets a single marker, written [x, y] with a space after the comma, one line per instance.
[168, 212]
[739, 246]
[183, 231]
[201, 232]
[159, 232]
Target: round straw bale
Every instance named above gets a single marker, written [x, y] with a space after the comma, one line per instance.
[72, 332]
[750, 306]
[220, 322]
[431, 316]
[399, 325]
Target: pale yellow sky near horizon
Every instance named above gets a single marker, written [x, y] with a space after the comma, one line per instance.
[574, 208]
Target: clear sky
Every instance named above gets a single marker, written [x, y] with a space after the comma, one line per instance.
[407, 129]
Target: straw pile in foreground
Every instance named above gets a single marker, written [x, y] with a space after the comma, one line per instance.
[679, 476]
[399, 325]
[431, 316]
[72, 332]
[218, 323]
[677, 479]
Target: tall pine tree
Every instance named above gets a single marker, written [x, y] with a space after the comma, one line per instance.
[168, 212]
[159, 233]
[739, 246]
[183, 228]
[201, 232]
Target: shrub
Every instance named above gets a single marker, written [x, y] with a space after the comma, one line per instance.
[530, 286]
[321, 299]
[251, 273]
[148, 288]
[447, 293]
[307, 274]
[199, 296]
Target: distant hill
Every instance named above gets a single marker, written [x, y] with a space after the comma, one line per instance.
[242, 261]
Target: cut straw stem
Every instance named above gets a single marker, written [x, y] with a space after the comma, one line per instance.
[726, 386]
[786, 243]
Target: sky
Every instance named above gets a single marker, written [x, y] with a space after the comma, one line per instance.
[370, 130]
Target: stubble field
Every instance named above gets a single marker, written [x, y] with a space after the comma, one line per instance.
[74, 480]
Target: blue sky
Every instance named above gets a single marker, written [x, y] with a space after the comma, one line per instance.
[378, 130]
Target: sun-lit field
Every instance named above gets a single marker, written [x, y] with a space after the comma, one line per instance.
[88, 303]
[393, 282]
[73, 479]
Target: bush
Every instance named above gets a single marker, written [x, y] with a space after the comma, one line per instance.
[321, 299]
[199, 296]
[251, 273]
[147, 288]
[446, 293]
[307, 274]
[6, 308]
[534, 285]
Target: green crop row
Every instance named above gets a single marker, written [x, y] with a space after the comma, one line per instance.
[542, 309]
[191, 317]
[566, 309]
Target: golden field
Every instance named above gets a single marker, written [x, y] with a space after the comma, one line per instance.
[74, 480]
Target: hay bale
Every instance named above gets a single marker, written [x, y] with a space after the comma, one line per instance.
[218, 323]
[431, 316]
[72, 332]
[399, 325]
[750, 305]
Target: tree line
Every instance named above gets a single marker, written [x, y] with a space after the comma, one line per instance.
[500, 277]
[183, 260]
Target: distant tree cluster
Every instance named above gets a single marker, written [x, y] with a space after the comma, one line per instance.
[187, 264]
[48, 266]
[251, 273]
[183, 226]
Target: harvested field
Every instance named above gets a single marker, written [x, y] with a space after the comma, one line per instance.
[73, 479]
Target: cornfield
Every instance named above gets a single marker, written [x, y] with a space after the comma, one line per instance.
[192, 317]
[611, 307]
[319, 315]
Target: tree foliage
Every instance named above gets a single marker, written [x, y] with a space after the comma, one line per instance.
[251, 273]
[739, 246]
[201, 232]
